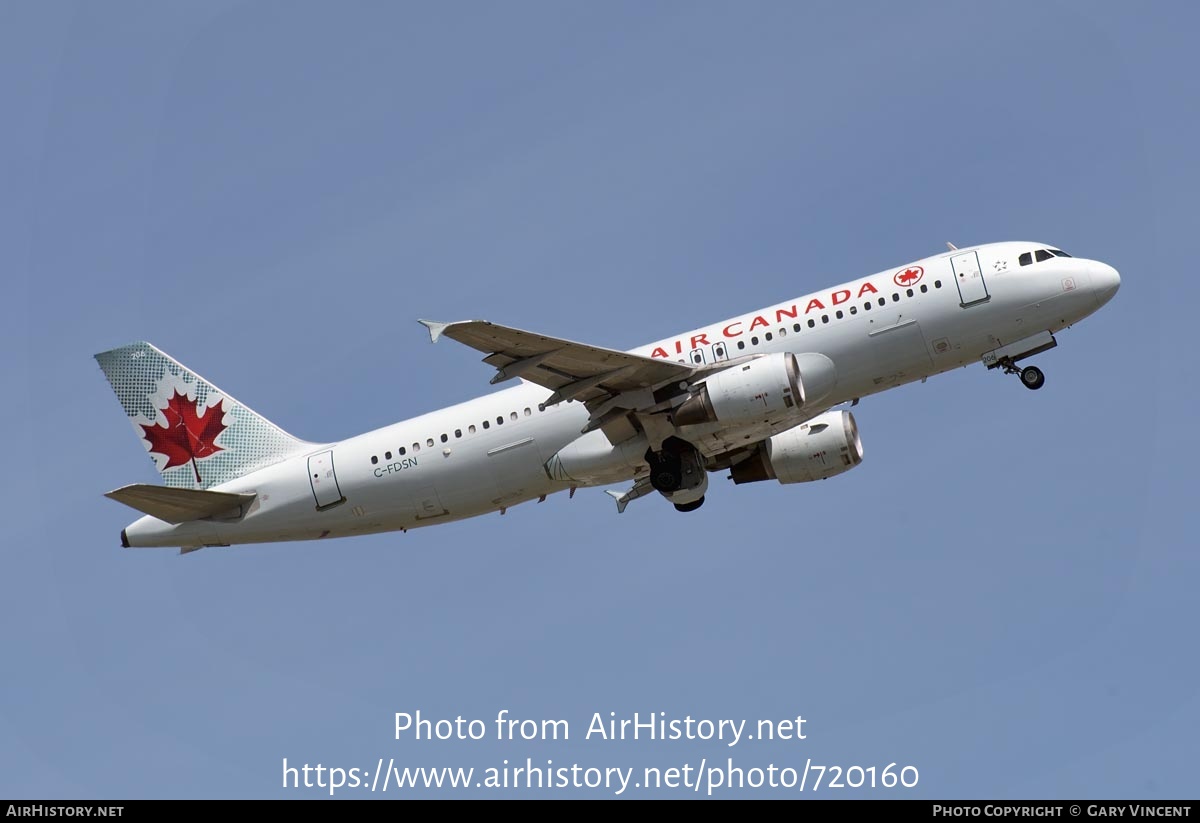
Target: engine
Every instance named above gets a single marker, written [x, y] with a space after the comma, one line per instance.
[762, 389]
[823, 447]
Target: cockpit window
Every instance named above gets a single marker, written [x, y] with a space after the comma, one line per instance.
[1041, 255]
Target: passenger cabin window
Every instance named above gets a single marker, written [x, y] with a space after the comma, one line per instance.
[1043, 255]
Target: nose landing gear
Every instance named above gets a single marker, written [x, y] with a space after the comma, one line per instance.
[1031, 376]
[1006, 358]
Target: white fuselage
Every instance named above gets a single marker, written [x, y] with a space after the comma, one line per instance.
[489, 453]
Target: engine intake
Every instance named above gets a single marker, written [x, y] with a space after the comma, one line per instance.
[823, 447]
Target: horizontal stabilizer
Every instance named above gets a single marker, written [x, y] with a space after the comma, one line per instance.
[174, 505]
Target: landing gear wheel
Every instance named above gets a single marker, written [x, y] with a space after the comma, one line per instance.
[663, 479]
[1032, 377]
[666, 471]
[689, 507]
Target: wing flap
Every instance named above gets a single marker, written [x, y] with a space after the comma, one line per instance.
[175, 505]
[570, 370]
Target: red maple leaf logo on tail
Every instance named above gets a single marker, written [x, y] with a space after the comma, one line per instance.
[188, 436]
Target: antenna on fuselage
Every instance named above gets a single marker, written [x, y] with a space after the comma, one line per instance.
[951, 246]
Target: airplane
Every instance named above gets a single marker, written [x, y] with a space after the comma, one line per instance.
[763, 396]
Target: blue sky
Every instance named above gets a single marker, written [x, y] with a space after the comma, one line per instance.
[1001, 595]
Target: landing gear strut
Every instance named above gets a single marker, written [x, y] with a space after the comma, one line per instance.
[1031, 376]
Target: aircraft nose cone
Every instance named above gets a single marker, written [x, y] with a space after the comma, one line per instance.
[1105, 282]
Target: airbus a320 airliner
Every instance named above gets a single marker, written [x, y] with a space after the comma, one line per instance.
[756, 396]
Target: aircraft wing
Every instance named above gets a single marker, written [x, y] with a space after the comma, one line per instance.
[571, 371]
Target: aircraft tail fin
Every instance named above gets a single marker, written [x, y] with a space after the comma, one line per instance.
[197, 435]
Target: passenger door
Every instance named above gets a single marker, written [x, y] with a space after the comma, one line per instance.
[968, 275]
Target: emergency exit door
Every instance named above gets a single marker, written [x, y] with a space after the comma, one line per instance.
[969, 277]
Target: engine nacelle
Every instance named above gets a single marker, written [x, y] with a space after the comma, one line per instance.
[823, 447]
[761, 389]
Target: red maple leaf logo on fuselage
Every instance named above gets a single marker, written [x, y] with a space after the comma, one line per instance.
[188, 436]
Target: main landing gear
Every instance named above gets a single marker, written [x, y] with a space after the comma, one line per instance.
[1031, 376]
[677, 473]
